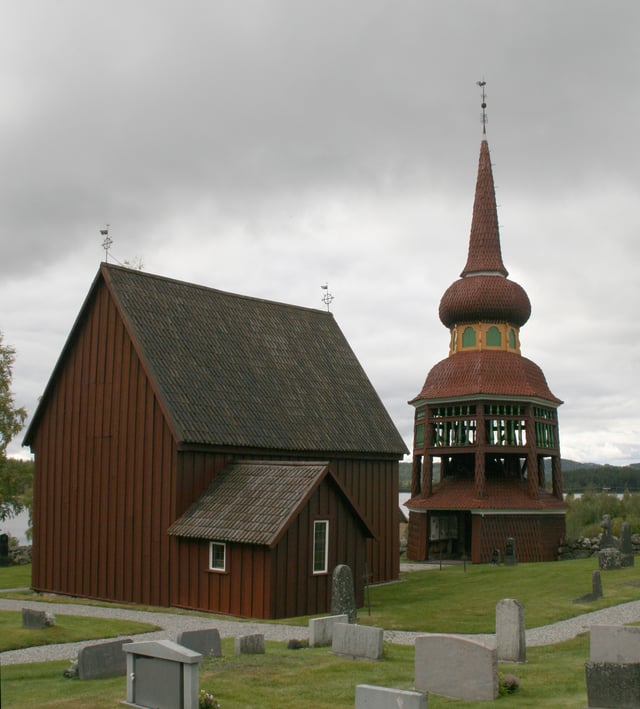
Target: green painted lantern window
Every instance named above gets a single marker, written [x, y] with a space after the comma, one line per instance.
[512, 339]
[494, 337]
[419, 442]
[469, 337]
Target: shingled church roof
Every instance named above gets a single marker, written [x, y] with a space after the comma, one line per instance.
[253, 502]
[231, 370]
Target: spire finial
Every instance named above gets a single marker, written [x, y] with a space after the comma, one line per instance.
[482, 84]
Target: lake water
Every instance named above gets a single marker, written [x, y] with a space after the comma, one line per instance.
[17, 527]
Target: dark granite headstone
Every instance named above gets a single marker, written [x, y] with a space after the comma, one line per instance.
[510, 552]
[343, 599]
[495, 557]
[102, 660]
[596, 585]
[4, 550]
[613, 685]
[206, 642]
[626, 547]
[596, 589]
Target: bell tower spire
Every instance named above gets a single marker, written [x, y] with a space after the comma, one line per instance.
[485, 255]
[486, 453]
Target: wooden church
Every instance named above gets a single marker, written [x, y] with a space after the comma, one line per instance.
[486, 455]
[201, 449]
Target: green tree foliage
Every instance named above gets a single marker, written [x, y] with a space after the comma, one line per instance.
[586, 512]
[598, 477]
[12, 491]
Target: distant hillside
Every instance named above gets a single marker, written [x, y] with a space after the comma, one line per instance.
[576, 477]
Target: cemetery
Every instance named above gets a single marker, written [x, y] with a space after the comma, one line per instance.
[365, 664]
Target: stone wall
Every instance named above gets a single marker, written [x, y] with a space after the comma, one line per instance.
[584, 547]
[20, 555]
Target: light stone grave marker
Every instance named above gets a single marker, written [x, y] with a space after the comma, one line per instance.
[321, 629]
[358, 641]
[510, 631]
[456, 667]
[369, 696]
[249, 644]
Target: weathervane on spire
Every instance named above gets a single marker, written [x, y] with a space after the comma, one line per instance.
[106, 244]
[327, 297]
[482, 84]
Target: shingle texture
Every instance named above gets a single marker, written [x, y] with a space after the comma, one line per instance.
[484, 298]
[239, 371]
[484, 240]
[486, 372]
[250, 502]
[459, 494]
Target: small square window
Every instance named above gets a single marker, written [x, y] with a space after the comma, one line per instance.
[320, 546]
[217, 556]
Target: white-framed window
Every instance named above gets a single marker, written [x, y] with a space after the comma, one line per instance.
[320, 546]
[217, 556]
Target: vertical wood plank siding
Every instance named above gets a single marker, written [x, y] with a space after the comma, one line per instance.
[373, 484]
[104, 470]
[275, 583]
[110, 480]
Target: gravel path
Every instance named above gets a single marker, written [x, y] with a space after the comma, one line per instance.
[174, 623]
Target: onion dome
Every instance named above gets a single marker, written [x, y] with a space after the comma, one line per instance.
[487, 298]
[483, 293]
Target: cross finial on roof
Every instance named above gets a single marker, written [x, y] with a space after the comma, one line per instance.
[327, 297]
[106, 244]
[482, 84]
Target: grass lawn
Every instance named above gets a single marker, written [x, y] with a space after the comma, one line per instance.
[313, 678]
[15, 576]
[67, 629]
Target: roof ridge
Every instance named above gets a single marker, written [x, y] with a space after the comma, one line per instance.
[210, 289]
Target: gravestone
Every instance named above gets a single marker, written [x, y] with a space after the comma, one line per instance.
[206, 642]
[596, 589]
[510, 552]
[321, 629]
[609, 559]
[102, 660]
[358, 641]
[613, 670]
[343, 598]
[4, 550]
[456, 667]
[626, 547]
[162, 675]
[369, 696]
[249, 644]
[596, 584]
[495, 557]
[37, 620]
[606, 539]
[510, 631]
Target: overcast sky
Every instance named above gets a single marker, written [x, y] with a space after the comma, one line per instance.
[269, 147]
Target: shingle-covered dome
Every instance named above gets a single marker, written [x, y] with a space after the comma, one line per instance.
[485, 298]
[486, 372]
